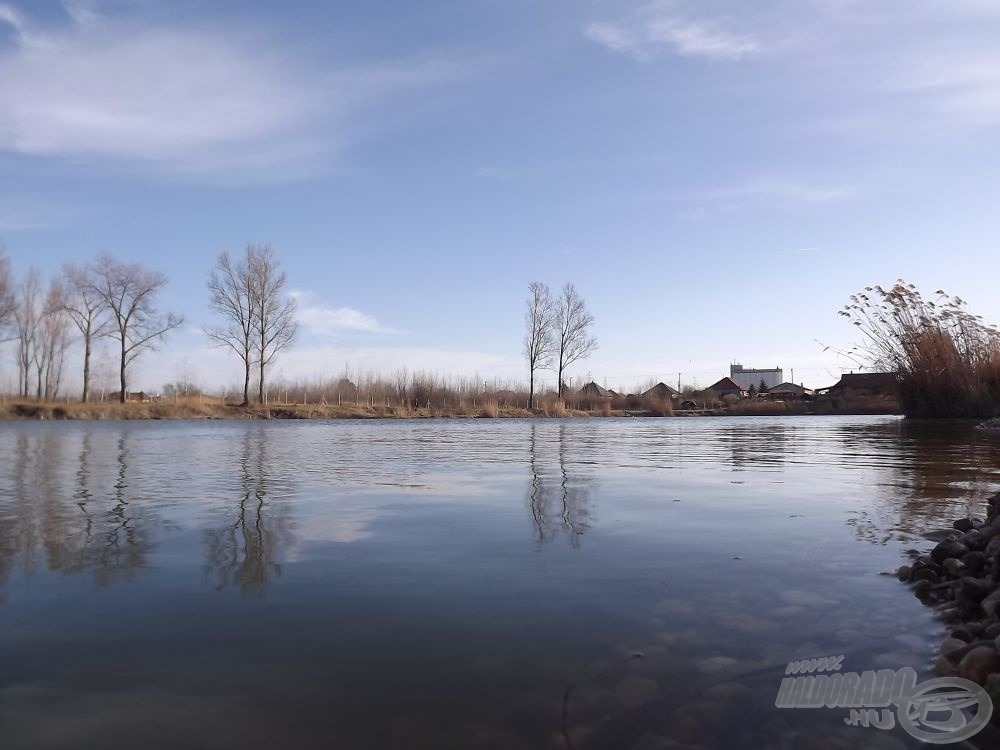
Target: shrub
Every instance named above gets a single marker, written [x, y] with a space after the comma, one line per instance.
[947, 360]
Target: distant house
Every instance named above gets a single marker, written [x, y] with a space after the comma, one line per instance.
[594, 390]
[728, 387]
[862, 384]
[789, 392]
[137, 397]
[661, 392]
[689, 404]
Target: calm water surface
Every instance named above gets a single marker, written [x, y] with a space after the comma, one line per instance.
[471, 584]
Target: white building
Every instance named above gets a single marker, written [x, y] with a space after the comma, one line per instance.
[747, 376]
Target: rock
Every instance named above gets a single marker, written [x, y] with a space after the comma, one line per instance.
[976, 628]
[992, 630]
[974, 561]
[950, 614]
[922, 588]
[978, 664]
[990, 603]
[993, 548]
[926, 574]
[944, 667]
[940, 535]
[963, 524]
[973, 539]
[948, 549]
[961, 633]
[953, 567]
[974, 589]
[904, 573]
[951, 646]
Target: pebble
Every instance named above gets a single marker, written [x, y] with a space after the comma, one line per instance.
[944, 667]
[948, 549]
[904, 573]
[951, 645]
[978, 664]
[922, 588]
[953, 567]
[974, 589]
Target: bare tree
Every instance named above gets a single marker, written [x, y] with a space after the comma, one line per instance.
[52, 343]
[231, 285]
[83, 302]
[573, 339]
[274, 322]
[27, 314]
[539, 339]
[129, 290]
[6, 292]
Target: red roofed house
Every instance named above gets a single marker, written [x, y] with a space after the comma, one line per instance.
[728, 387]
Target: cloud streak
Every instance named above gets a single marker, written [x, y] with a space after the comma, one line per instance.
[320, 320]
[658, 28]
[184, 100]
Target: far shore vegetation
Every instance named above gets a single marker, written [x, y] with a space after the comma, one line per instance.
[940, 360]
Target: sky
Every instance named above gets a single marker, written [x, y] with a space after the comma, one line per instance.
[715, 177]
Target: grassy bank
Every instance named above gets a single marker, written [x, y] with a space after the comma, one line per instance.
[213, 408]
[209, 408]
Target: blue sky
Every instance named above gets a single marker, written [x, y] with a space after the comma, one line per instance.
[715, 177]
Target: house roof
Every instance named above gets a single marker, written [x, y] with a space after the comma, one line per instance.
[661, 390]
[882, 380]
[593, 389]
[787, 388]
[726, 384]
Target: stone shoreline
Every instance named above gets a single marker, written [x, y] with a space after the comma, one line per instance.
[960, 578]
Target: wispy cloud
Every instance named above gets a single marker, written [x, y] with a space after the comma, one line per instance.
[321, 320]
[186, 100]
[659, 27]
[10, 16]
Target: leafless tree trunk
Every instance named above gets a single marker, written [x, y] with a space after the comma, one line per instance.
[6, 293]
[539, 339]
[53, 341]
[87, 308]
[129, 291]
[232, 286]
[573, 339]
[27, 314]
[273, 316]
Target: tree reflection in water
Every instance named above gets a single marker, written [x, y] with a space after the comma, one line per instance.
[76, 524]
[245, 552]
[559, 494]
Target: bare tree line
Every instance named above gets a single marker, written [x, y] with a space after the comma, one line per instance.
[106, 298]
[557, 333]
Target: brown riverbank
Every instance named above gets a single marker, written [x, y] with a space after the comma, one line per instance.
[213, 408]
[207, 408]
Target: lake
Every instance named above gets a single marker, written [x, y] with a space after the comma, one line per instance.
[590, 583]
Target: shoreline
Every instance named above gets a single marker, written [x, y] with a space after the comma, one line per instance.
[212, 409]
[960, 579]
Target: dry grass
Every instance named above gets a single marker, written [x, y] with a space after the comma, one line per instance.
[213, 408]
[947, 360]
